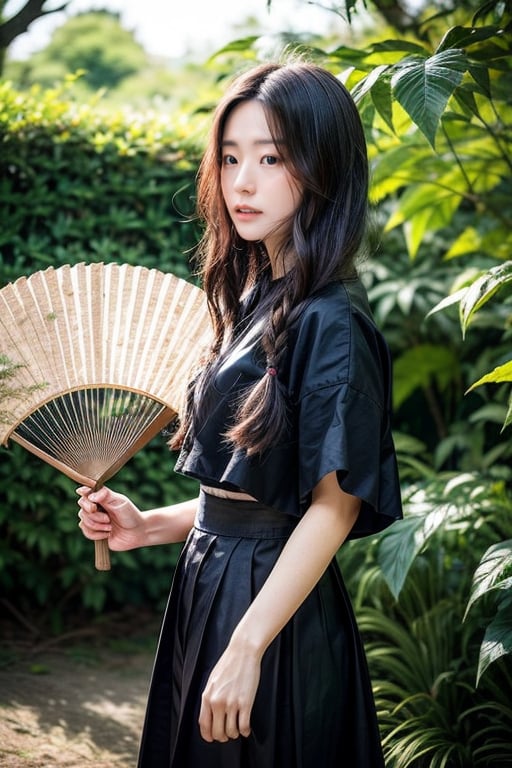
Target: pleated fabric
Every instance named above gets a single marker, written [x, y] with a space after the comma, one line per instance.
[314, 706]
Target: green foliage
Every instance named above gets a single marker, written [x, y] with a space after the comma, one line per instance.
[435, 78]
[109, 59]
[497, 641]
[493, 576]
[432, 594]
[471, 299]
[433, 365]
[81, 185]
[497, 560]
[78, 184]
[438, 114]
[435, 705]
[94, 43]
[478, 293]
[458, 96]
[456, 502]
[45, 561]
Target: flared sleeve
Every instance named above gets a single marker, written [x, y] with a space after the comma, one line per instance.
[343, 386]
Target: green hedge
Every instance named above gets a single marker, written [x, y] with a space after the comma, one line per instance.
[79, 184]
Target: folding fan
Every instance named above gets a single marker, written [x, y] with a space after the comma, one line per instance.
[99, 356]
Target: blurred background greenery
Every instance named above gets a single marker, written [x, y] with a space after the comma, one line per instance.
[99, 145]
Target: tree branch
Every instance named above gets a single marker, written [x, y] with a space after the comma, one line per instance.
[396, 15]
[20, 22]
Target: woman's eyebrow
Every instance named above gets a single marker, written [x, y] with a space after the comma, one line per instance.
[256, 142]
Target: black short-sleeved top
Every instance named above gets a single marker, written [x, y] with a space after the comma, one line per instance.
[337, 375]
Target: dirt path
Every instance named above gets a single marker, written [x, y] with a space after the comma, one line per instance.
[75, 705]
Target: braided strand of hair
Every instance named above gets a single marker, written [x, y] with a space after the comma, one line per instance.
[263, 411]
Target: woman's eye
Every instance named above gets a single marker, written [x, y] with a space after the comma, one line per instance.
[270, 160]
[229, 160]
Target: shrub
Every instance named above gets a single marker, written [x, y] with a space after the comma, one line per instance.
[410, 588]
[78, 184]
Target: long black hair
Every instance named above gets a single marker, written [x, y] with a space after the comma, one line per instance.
[310, 110]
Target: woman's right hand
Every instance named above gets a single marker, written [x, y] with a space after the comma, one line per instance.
[105, 514]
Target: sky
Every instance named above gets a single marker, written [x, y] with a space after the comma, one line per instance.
[173, 28]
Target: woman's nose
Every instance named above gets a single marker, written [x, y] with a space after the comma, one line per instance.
[244, 181]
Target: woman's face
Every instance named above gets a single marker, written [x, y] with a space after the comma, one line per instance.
[260, 193]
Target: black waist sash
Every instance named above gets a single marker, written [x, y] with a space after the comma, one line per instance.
[241, 519]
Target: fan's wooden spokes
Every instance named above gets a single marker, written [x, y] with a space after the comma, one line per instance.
[89, 434]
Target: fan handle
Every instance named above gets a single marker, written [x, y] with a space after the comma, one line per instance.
[102, 555]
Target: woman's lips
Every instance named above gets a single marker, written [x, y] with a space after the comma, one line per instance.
[245, 212]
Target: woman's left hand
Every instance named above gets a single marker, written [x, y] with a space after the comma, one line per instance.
[228, 697]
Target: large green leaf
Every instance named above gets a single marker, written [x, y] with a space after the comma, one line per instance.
[419, 366]
[497, 640]
[386, 46]
[422, 224]
[499, 375]
[397, 167]
[463, 37]
[482, 290]
[403, 541]
[448, 301]
[349, 56]
[243, 46]
[429, 198]
[382, 100]
[426, 221]
[365, 85]
[508, 417]
[424, 86]
[469, 241]
[488, 576]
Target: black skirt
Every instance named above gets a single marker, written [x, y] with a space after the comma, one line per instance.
[314, 706]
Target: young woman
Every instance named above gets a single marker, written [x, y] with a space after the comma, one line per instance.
[260, 664]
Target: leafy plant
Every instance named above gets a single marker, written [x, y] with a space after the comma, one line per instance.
[410, 590]
[471, 299]
[80, 184]
[47, 566]
[493, 576]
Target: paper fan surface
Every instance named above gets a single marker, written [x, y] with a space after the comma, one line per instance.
[99, 356]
